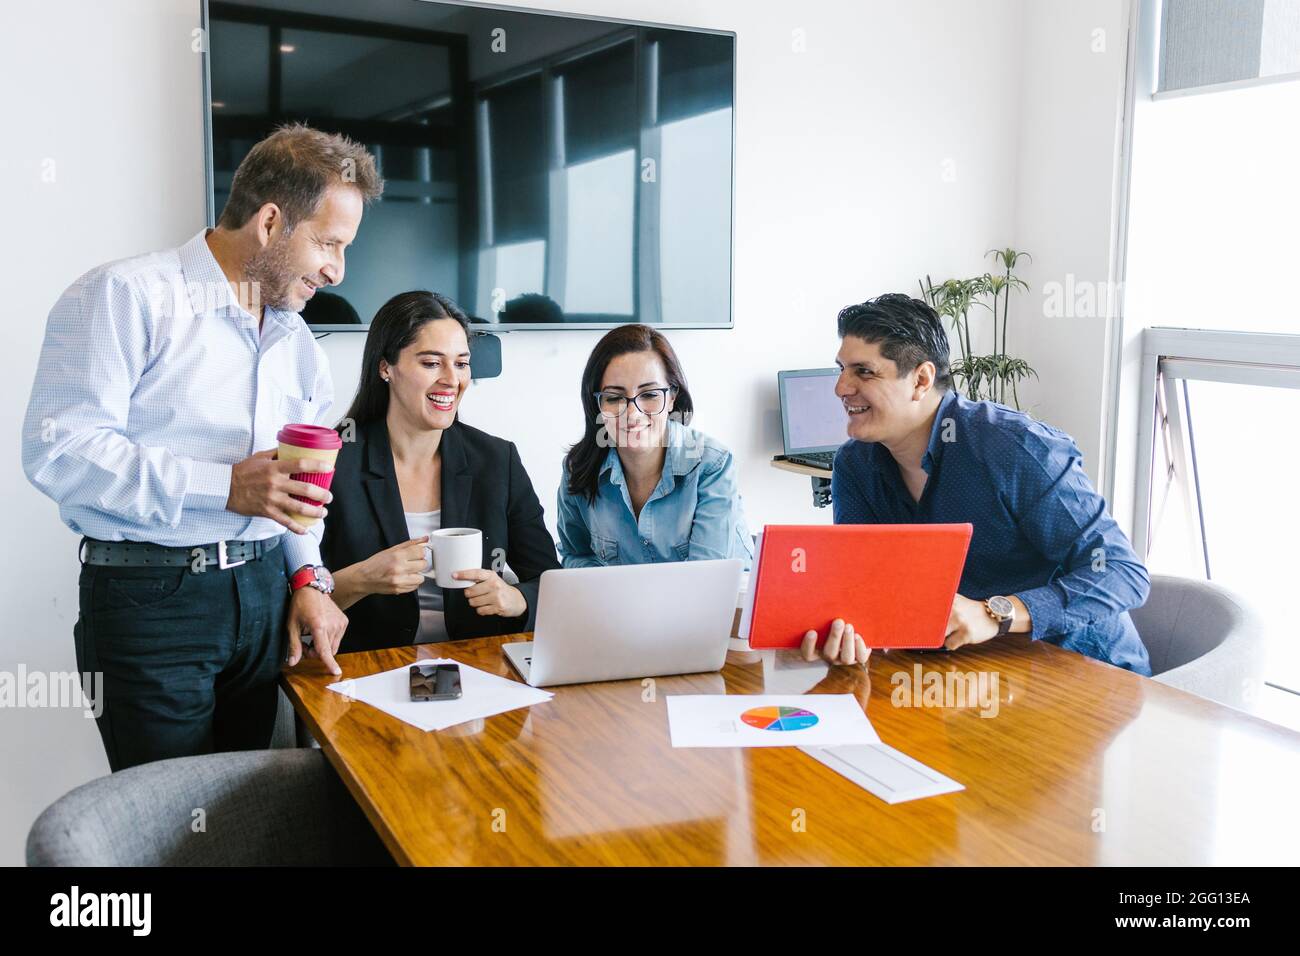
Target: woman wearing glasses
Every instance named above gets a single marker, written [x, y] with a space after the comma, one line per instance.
[640, 485]
[413, 467]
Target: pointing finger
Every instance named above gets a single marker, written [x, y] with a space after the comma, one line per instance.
[321, 643]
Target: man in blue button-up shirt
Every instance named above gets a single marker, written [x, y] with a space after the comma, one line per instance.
[1045, 559]
[161, 384]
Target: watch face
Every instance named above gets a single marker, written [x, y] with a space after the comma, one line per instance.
[1001, 606]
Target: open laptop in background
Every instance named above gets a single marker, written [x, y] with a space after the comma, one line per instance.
[633, 620]
[813, 423]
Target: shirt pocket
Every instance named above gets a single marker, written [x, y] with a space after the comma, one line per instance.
[605, 549]
[682, 550]
[295, 409]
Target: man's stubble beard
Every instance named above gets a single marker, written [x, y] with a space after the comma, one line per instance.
[272, 274]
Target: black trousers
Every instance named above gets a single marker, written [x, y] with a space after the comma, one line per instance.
[189, 660]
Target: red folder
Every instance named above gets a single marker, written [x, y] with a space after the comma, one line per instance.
[894, 583]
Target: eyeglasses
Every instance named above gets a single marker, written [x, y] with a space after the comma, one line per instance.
[650, 402]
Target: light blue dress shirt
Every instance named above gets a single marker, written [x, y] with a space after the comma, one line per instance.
[152, 383]
[694, 513]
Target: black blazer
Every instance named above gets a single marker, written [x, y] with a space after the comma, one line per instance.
[484, 486]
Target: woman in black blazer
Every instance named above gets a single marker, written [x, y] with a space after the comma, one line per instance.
[409, 465]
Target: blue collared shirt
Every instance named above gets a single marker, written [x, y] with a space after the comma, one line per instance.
[152, 383]
[1041, 531]
[694, 513]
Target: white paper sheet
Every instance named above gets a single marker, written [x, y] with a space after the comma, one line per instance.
[482, 695]
[890, 774]
[742, 720]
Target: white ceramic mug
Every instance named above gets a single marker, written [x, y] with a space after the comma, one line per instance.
[455, 549]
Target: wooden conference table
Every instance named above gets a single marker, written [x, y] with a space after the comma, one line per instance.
[1083, 763]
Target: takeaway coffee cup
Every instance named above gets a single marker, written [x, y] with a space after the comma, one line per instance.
[455, 549]
[309, 441]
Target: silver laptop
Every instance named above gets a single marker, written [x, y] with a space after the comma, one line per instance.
[635, 620]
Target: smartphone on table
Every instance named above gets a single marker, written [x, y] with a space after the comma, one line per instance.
[435, 681]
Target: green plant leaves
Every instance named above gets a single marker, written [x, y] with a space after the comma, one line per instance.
[983, 377]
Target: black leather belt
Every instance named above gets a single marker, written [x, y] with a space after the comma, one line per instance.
[143, 554]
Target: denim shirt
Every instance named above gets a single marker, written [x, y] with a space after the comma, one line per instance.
[1042, 532]
[694, 513]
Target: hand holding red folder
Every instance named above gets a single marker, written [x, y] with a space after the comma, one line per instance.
[894, 583]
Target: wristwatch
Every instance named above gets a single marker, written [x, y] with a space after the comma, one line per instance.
[312, 576]
[1001, 610]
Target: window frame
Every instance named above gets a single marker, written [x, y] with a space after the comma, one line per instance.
[1171, 356]
[646, 278]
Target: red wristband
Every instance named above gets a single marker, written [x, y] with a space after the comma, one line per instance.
[302, 577]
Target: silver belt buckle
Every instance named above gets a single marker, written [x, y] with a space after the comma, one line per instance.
[222, 563]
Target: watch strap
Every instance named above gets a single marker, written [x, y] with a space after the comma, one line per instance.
[302, 577]
[1004, 623]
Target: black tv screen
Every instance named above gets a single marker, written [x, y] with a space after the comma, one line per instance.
[543, 170]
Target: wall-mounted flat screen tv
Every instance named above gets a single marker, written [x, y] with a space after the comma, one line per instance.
[544, 170]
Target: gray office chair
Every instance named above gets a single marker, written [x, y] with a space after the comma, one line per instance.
[285, 734]
[1202, 638]
[289, 729]
[259, 808]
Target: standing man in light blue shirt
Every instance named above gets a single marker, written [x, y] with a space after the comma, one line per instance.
[160, 388]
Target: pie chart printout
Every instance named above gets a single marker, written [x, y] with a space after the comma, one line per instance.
[779, 718]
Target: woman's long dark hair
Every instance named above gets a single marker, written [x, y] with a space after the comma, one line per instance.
[395, 326]
[585, 459]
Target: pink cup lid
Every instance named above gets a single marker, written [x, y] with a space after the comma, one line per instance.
[309, 436]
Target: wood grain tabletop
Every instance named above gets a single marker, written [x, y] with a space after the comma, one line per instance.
[1067, 761]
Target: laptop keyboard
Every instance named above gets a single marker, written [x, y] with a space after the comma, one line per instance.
[816, 459]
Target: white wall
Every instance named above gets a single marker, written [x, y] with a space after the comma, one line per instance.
[1070, 111]
[841, 193]
[109, 94]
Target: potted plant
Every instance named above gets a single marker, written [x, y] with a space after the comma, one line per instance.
[983, 377]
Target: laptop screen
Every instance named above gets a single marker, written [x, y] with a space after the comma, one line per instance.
[812, 418]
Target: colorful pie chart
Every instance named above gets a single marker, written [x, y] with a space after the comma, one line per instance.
[779, 718]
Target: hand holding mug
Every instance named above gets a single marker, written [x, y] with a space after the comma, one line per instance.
[398, 569]
[489, 593]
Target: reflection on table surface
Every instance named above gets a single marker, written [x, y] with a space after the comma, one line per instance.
[1072, 762]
